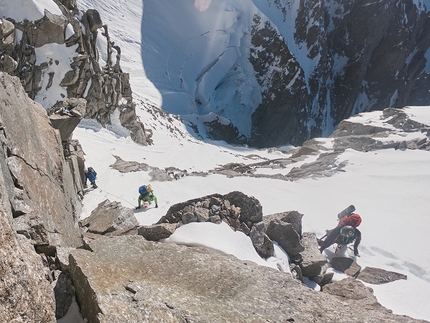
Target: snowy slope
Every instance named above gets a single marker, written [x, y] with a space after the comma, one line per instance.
[390, 189]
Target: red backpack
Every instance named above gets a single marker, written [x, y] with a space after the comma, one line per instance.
[353, 220]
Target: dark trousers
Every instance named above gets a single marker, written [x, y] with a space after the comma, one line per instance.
[334, 234]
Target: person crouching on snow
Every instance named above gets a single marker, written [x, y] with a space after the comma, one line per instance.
[146, 194]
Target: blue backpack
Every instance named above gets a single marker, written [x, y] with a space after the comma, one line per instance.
[142, 190]
[92, 171]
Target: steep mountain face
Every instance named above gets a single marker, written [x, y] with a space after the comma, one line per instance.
[257, 72]
[40, 202]
[281, 71]
[360, 56]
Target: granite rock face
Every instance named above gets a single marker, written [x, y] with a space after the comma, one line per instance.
[39, 204]
[32, 158]
[144, 281]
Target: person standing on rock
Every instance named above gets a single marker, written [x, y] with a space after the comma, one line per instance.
[146, 194]
[90, 175]
[345, 232]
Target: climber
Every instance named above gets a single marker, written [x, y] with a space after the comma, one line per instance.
[90, 175]
[146, 194]
[345, 232]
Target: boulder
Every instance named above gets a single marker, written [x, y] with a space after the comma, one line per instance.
[293, 217]
[251, 209]
[285, 235]
[7, 36]
[262, 243]
[8, 64]
[56, 25]
[323, 279]
[346, 265]
[109, 216]
[379, 276]
[66, 115]
[312, 260]
[158, 231]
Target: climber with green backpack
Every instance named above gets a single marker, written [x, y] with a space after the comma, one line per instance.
[146, 194]
[345, 232]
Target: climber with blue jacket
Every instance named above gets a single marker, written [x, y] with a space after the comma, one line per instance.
[90, 175]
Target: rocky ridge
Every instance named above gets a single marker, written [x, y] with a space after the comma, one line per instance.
[104, 88]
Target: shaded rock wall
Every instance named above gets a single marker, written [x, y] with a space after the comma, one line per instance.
[344, 58]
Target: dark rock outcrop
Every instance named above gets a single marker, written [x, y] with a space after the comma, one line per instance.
[239, 211]
[354, 59]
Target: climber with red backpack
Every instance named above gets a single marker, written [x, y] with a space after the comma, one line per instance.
[345, 232]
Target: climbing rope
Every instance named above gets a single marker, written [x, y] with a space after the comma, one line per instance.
[132, 204]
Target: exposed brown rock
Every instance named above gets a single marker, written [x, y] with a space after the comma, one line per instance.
[145, 281]
[158, 231]
[379, 276]
[109, 216]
